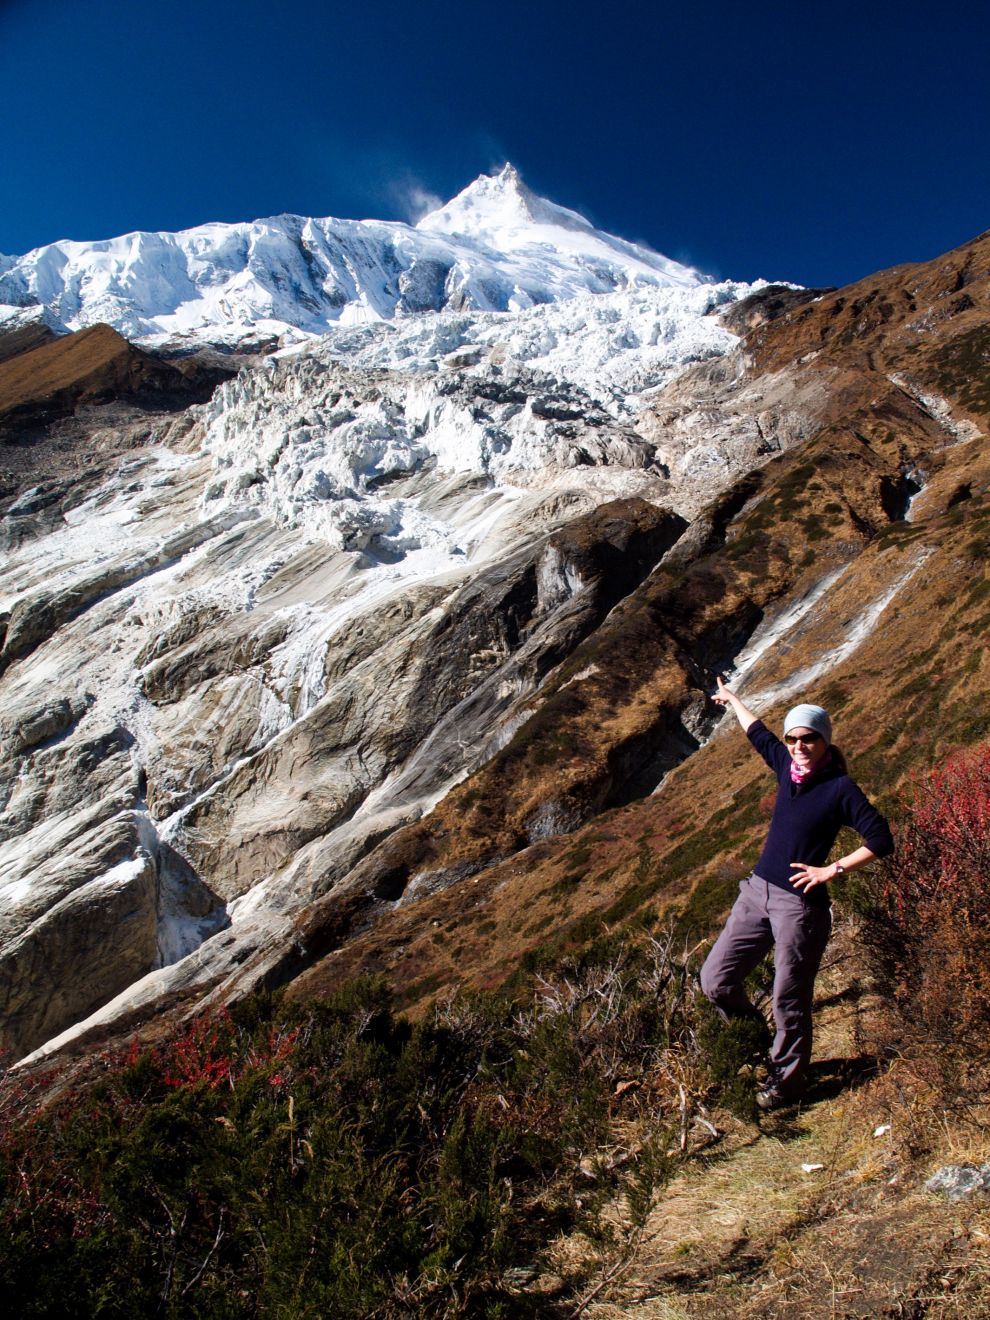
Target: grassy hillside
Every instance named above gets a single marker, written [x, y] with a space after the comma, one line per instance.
[587, 1144]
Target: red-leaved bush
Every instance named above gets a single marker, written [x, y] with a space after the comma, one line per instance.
[212, 1051]
[927, 910]
[203, 1053]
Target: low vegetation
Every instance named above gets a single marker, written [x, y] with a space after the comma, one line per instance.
[339, 1160]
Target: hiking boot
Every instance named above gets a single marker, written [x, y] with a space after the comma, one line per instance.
[769, 1098]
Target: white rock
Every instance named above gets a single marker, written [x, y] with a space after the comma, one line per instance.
[957, 1181]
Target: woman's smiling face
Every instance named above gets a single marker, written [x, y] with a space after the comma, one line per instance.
[806, 746]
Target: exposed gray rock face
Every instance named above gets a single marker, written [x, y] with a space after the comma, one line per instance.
[714, 423]
[767, 304]
[417, 694]
[206, 703]
[292, 621]
[90, 944]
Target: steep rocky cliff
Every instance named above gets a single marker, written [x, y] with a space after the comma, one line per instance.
[850, 569]
[395, 654]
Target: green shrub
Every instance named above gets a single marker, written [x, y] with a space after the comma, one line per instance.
[727, 1048]
[333, 1160]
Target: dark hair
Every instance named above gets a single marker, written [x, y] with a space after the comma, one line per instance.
[838, 759]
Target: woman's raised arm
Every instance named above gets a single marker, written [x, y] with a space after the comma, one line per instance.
[742, 712]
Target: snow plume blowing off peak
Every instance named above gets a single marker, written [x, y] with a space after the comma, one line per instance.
[501, 211]
[495, 247]
[497, 204]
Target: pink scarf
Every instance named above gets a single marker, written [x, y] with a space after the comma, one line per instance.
[801, 776]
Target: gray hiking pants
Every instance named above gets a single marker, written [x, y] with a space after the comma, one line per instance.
[766, 916]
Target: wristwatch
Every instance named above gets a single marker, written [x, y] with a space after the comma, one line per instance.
[839, 870]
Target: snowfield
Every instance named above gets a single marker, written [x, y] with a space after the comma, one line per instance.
[495, 247]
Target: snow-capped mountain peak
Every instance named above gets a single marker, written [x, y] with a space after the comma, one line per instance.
[498, 202]
[496, 247]
[501, 212]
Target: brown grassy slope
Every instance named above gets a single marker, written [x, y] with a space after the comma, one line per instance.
[93, 367]
[614, 713]
[30, 335]
[89, 366]
[70, 406]
[930, 320]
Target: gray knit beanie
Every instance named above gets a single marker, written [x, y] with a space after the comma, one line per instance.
[809, 717]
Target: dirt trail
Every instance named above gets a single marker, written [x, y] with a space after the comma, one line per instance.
[815, 1213]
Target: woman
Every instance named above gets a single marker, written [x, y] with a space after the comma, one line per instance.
[785, 902]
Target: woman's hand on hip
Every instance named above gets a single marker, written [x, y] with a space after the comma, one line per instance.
[806, 877]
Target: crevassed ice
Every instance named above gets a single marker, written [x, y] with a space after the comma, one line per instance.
[315, 438]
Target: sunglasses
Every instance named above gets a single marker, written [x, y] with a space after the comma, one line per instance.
[805, 739]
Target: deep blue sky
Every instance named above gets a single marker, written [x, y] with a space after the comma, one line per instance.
[815, 142]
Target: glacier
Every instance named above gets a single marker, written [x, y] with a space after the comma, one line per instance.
[224, 650]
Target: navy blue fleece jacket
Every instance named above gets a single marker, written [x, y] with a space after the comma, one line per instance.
[807, 817]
